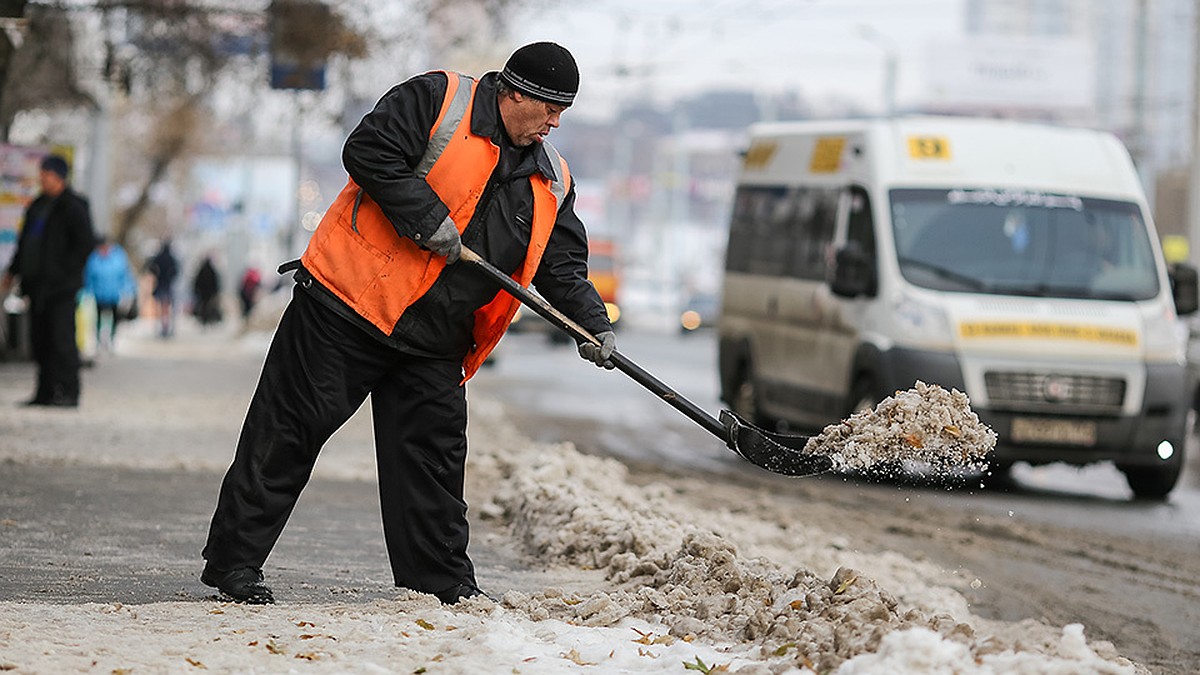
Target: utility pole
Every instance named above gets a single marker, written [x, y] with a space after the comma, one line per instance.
[100, 158]
[1138, 146]
[1193, 210]
[890, 66]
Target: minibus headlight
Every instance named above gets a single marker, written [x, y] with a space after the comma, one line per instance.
[922, 323]
[1165, 337]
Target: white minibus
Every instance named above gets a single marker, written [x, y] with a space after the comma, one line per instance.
[1015, 262]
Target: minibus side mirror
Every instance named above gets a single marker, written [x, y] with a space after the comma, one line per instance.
[853, 272]
[1184, 288]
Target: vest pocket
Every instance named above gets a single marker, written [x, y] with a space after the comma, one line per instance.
[351, 263]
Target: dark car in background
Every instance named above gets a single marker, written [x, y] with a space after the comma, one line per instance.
[699, 312]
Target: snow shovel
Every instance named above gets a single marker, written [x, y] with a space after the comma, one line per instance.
[779, 453]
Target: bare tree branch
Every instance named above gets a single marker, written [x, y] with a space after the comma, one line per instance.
[41, 73]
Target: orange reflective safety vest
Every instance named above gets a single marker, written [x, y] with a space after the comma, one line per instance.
[379, 273]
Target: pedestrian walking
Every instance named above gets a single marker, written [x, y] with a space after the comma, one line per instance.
[206, 291]
[108, 277]
[379, 308]
[52, 250]
[248, 292]
[164, 266]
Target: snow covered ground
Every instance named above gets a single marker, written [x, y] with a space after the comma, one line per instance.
[659, 580]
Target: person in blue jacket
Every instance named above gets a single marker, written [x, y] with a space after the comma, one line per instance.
[108, 277]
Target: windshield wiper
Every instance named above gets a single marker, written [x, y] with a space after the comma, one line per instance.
[1087, 293]
[1038, 291]
[946, 273]
[1044, 290]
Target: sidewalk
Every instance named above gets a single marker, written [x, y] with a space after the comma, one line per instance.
[110, 502]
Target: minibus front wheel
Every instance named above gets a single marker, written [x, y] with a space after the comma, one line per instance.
[863, 395]
[746, 398]
[1152, 482]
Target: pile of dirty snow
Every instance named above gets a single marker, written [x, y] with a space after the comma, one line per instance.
[926, 425]
[667, 568]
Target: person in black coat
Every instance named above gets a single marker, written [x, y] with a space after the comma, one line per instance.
[206, 291]
[165, 268]
[52, 250]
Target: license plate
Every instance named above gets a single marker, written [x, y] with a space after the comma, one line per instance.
[1061, 432]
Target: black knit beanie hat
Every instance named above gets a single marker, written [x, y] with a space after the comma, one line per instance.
[55, 164]
[543, 70]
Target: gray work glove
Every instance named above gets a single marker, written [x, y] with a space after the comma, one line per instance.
[445, 241]
[599, 354]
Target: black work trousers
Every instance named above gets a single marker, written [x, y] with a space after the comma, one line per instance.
[54, 348]
[319, 370]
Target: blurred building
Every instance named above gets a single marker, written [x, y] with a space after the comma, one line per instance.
[1122, 65]
[1032, 59]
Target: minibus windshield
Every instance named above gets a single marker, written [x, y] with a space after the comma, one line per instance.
[1015, 242]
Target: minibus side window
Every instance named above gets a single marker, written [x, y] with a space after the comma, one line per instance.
[861, 224]
[758, 242]
[746, 203]
[860, 229]
[812, 231]
[772, 242]
[776, 231]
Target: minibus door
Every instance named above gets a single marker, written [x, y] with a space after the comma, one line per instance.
[854, 279]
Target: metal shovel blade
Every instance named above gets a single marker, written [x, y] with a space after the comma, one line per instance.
[778, 453]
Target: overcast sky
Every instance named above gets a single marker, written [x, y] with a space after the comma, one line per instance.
[674, 47]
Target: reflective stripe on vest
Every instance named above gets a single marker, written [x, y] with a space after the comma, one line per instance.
[358, 255]
[455, 111]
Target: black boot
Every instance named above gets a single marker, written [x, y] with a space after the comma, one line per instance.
[41, 396]
[467, 589]
[243, 585]
[63, 400]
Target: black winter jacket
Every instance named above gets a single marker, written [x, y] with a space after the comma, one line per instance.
[381, 154]
[53, 247]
